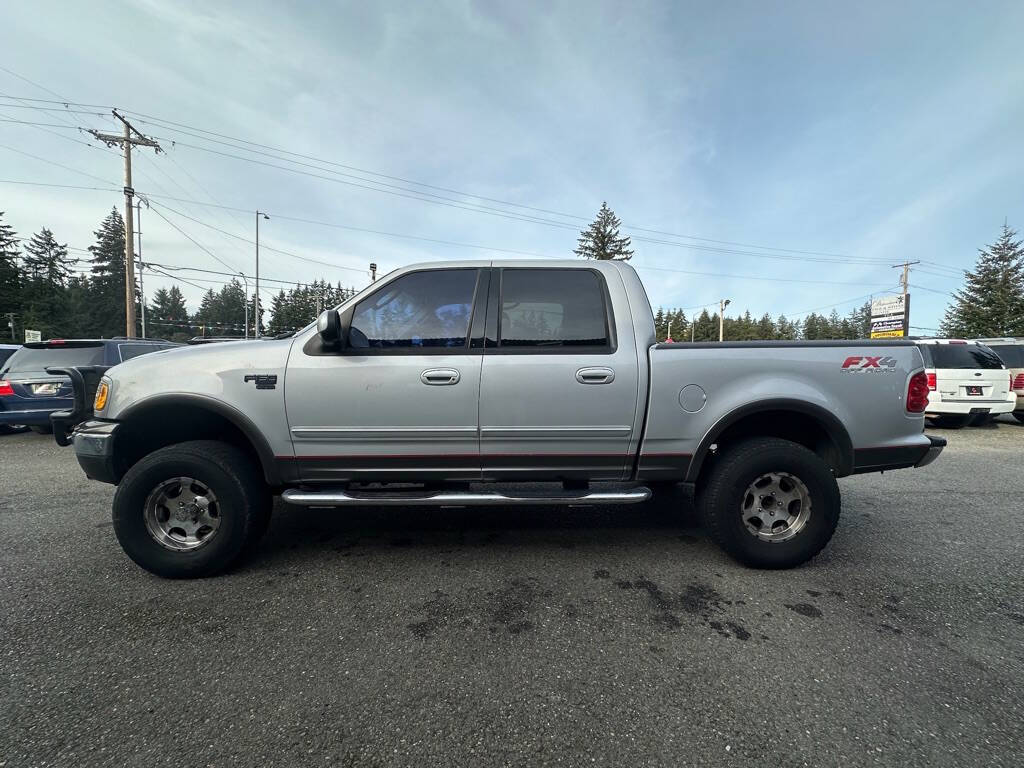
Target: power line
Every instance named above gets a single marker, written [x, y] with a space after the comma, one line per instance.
[53, 162]
[58, 186]
[262, 245]
[195, 242]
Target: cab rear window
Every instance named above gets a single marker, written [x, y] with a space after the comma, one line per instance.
[959, 356]
[38, 358]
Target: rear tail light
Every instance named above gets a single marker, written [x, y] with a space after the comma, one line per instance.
[931, 382]
[917, 393]
[1018, 383]
[6, 390]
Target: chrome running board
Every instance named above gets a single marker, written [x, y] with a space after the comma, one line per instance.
[341, 498]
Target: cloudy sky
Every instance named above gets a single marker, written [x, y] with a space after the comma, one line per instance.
[781, 158]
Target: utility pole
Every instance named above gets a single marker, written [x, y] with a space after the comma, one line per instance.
[126, 142]
[373, 272]
[245, 280]
[256, 322]
[142, 285]
[10, 323]
[722, 304]
[905, 282]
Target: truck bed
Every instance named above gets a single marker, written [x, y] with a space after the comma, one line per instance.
[857, 389]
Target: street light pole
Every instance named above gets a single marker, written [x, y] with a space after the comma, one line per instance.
[245, 302]
[722, 304]
[256, 322]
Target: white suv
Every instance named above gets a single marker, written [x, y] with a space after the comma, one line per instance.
[1011, 352]
[968, 383]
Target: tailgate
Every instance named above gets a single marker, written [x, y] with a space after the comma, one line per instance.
[973, 384]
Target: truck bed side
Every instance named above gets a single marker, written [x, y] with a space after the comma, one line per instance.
[843, 399]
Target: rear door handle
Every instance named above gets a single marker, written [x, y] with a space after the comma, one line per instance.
[595, 375]
[440, 376]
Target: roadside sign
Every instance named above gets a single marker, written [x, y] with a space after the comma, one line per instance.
[32, 336]
[889, 316]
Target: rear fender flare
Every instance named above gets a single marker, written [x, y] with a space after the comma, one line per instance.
[829, 422]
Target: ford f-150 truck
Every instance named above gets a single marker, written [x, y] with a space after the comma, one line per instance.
[466, 383]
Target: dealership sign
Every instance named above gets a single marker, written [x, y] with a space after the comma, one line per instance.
[890, 316]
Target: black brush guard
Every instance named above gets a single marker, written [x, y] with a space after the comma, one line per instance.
[84, 380]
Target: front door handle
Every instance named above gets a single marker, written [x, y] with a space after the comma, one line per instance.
[595, 375]
[440, 376]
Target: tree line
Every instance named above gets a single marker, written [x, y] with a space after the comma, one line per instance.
[990, 303]
[44, 288]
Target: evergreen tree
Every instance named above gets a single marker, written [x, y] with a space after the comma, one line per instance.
[106, 309]
[10, 282]
[991, 303]
[47, 271]
[705, 327]
[601, 239]
[766, 327]
[168, 316]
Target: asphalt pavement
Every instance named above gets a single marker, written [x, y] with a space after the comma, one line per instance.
[610, 636]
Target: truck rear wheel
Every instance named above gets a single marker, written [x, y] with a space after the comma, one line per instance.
[770, 503]
[191, 509]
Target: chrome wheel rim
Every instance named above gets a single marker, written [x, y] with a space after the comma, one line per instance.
[776, 506]
[182, 514]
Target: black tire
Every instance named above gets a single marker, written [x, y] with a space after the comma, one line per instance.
[725, 488]
[243, 501]
[42, 429]
[951, 421]
[1019, 416]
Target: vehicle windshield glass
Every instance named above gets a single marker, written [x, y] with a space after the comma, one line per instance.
[963, 356]
[1012, 355]
[29, 359]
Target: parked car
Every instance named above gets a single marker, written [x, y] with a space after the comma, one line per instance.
[6, 350]
[1011, 352]
[967, 383]
[494, 372]
[28, 394]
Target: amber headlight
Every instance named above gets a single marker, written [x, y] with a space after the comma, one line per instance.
[101, 396]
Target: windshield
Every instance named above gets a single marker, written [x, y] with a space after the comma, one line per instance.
[36, 359]
[960, 356]
[1012, 355]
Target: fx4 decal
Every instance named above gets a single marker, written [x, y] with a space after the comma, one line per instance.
[869, 364]
[263, 380]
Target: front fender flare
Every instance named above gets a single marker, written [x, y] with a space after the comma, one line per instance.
[244, 424]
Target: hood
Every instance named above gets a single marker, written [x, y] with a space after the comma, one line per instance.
[223, 371]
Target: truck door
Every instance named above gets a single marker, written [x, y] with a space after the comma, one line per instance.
[558, 391]
[400, 402]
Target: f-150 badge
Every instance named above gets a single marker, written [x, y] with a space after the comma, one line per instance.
[263, 380]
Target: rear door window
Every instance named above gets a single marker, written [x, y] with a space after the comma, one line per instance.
[39, 358]
[1012, 355]
[962, 356]
[128, 351]
[553, 309]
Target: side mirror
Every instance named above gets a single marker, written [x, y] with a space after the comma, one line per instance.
[328, 325]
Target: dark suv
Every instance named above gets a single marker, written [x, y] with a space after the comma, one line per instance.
[28, 394]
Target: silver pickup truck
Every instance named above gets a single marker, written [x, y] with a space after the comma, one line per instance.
[467, 383]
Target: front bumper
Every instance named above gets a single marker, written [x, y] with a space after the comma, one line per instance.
[94, 449]
[937, 444]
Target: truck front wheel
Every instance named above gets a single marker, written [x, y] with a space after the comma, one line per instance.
[770, 503]
[191, 509]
